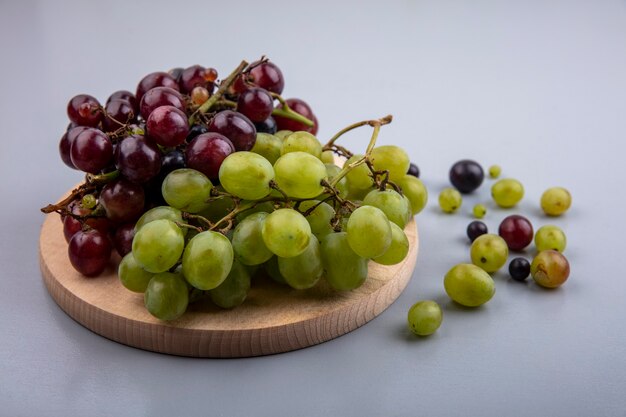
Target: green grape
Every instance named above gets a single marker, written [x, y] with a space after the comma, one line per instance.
[300, 174]
[391, 158]
[342, 186]
[283, 134]
[246, 175]
[132, 275]
[425, 317]
[359, 178]
[479, 211]
[319, 219]
[268, 146]
[398, 249]
[207, 260]
[395, 206]
[248, 241]
[415, 190]
[166, 296]
[157, 246]
[345, 270]
[369, 232]
[286, 233]
[302, 142]
[271, 267]
[265, 207]
[550, 237]
[234, 290]
[489, 252]
[494, 171]
[304, 270]
[550, 269]
[88, 201]
[450, 200]
[187, 190]
[556, 201]
[161, 212]
[469, 285]
[328, 157]
[218, 207]
[507, 192]
[356, 195]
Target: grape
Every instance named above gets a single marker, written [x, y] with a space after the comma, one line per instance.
[158, 213]
[396, 207]
[126, 96]
[118, 114]
[194, 76]
[450, 200]
[332, 171]
[517, 232]
[304, 270]
[469, 285]
[494, 171]
[413, 188]
[256, 104]
[167, 126]
[302, 142]
[234, 290]
[286, 233]
[550, 237]
[300, 174]
[507, 192]
[84, 110]
[398, 249]
[413, 171]
[155, 79]
[271, 267]
[328, 157]
[369, 232]
[479, 211]
[207, 260]
[122, 200]
[207, 152]
[132, 276]
[236, 127]
[556, 201]
[466, 175]
[88, 201]
[550, 269]
[519, 269]
[359, 177]
[319, 219]
[246, 175]
[425, 317]
[123, 238]
[137, 159]
[166, 296]
[489, 252]
[89, 252]
[268, 76]
[171, 161]
[91, 151]
[266, 126]
[65, 149]
[475, 229]
[268, 146]
[71, 225]
[391, 158]
[187, 190]
[255, 207]
[158, 97]
[199, 95]
[248, 242]
[345, 270]
[300, 107]
[283, 134]
[157, 246]
[195, 131]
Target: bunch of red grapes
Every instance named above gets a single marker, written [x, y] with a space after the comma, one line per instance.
[135, 140]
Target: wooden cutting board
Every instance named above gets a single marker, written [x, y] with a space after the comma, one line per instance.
[273, 319]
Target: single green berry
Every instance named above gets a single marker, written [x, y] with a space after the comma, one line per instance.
[479, 211]
[495, 171]
[425, 317]
[556, 201]
[550, 237]
[88, 201]
[507, 192]
[450, 200]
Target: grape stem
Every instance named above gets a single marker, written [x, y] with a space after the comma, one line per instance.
[91, 184]
[286, 112]
[380, 122]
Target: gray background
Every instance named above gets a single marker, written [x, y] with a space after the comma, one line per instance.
[536, 86]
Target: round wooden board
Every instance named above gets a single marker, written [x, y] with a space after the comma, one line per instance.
[273, 319]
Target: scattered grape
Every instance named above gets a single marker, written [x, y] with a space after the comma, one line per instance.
[494, 171]
[517, 232]
[479, 211]
[519, 269]
[556, 201]
[489, 252]
[550, 237]
[507, 192]
[425, 317]
[475, 229]
[550, 269]
[450, 200]
[469, 285]
[466, 175]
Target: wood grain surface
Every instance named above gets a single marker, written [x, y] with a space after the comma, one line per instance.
[273, 319]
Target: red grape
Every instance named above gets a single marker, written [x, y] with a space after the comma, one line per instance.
[64, 150]
[84, 110]
[256, 104]
[91, 151]
[207, 151]
[268, 76]
[194, 76]
[167, 126]
[155, 79]
[71, 226]
[123, 238]
[125, 95]
[89, 252]
[517, 232]
[137, 159]
[301, 107]
[236, 127]
[118, 113]
[160, 96]
[122, 201]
